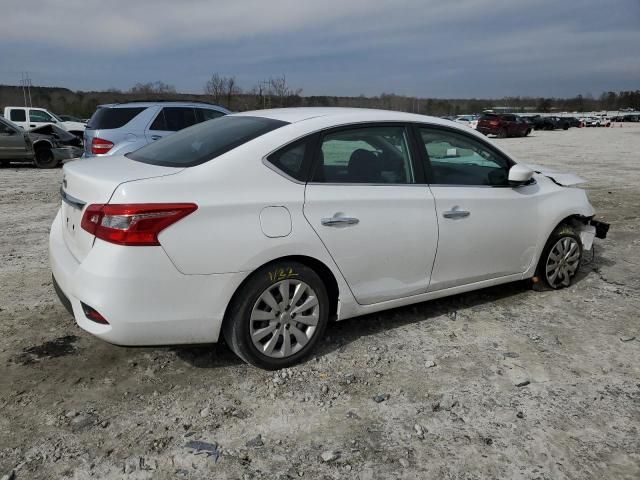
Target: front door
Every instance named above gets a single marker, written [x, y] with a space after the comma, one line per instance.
[377, 223]
[13, 144]
[488, 229]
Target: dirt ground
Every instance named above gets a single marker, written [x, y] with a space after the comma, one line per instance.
[427, 391]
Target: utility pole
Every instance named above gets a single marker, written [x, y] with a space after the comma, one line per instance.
[25, 81]
[24, 92]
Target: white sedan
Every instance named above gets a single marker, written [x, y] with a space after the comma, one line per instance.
[264, 226]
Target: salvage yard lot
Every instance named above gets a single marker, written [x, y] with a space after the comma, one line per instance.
[426, 391]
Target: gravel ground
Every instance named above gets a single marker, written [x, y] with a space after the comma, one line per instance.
[427, 391]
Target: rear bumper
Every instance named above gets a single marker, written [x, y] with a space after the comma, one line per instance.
[145, 299]
[66, 153]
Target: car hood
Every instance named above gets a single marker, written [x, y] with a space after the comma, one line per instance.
[565, 179]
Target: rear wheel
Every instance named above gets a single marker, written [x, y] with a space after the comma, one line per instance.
[278, 316]
[560, 258]
[44, 158]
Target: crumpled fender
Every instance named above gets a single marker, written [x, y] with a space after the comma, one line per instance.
[566, 179]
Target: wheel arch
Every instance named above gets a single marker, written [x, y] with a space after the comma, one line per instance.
[42, 143]
[323, 271]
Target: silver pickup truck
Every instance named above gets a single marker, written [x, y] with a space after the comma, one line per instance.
[45, 147]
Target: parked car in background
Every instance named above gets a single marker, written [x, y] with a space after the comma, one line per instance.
[120, 128]
[44, 146]
[468, 120]
[257, 227]
[29, 118]
[597, 121]
[503, 125]
[541, 123]
[70, 118]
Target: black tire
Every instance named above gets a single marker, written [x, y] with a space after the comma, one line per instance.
[5, 163]
[236, 328]
[568, 235]
[502, 133]
[44, 158]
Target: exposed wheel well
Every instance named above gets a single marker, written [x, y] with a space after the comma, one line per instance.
[42, 144]
[317, 266]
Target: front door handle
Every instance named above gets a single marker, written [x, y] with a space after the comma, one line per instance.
[156, 137]
[455, 213]
[339, 221]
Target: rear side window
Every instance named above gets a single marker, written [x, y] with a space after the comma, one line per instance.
[108, 118]
[18, 115]
[204, 114]
[204, 141]
[291, 159]
[173, 119]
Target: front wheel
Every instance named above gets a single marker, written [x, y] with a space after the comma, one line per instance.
[278, 316]
[502, 133]
[560, 258]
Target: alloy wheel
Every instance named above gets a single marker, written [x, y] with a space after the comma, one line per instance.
[284, 318]
[562, 262]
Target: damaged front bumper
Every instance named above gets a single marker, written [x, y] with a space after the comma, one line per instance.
[590, 230]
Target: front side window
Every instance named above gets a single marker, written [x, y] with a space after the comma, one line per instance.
[18, 115]
[373, 155]
[204, 141]
[457, 159]
[39, 116]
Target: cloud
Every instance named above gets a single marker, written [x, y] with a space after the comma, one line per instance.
[420, 47]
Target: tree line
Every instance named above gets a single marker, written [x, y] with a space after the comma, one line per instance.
[277, 92]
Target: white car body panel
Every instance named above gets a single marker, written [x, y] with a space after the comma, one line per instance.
[397, 236]
[402, 251]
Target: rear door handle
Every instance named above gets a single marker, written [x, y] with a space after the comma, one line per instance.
[455, 213]
[338, 221]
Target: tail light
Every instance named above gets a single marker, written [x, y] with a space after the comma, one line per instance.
[493, 122]
[136, 224]
[100, 146]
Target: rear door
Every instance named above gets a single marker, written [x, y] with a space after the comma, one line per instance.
[487, 228]
[377, 222]
[169, 120]
[19, 117]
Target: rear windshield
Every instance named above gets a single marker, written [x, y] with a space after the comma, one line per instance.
[204, 141]
[107, 118]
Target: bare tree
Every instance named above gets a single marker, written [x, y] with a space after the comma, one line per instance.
[215, 87]
[153, 88]
[222, 88]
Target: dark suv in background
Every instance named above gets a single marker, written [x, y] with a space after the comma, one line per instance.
[120, 128]
[503, 125]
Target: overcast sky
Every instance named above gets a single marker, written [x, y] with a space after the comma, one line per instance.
[427, 48]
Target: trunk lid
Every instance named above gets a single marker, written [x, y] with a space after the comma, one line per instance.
[90, 181]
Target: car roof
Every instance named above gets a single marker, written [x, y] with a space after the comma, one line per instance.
[153, 103]
[339, 114]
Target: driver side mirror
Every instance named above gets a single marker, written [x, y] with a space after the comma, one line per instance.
[520, 175]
